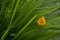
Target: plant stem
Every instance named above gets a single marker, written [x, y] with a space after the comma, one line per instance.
[25, 27]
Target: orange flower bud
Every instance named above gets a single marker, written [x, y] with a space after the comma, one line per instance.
[41, 21]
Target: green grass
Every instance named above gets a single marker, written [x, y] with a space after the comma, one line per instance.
[18, 19]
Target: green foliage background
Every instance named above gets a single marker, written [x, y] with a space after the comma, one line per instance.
[18, 19]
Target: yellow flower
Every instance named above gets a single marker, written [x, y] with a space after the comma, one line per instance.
[41, 21]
